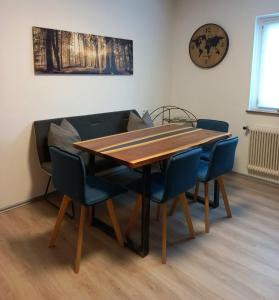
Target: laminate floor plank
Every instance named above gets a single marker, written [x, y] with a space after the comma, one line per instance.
[238, 259]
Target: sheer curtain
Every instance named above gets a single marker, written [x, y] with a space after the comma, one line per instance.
[268, 92]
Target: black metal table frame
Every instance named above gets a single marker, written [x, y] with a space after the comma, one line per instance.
[143, 248]
[215, 202]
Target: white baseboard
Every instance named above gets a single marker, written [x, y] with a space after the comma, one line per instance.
[19, 204]
[256, 178]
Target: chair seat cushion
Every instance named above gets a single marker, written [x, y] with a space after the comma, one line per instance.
[99, 189]
[156, 187]
[203, 170]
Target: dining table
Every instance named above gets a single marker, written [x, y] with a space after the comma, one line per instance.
[142, 148]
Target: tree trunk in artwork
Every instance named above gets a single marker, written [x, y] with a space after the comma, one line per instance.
[55, 45]
[61, 49]
[113, 67]
[49, 60]
[125, 58]
[130, 55]
[85, 50]
[108, 55]
[79, 50]
[96, 43]
[69, 49]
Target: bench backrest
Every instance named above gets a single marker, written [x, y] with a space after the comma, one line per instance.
[88, 127]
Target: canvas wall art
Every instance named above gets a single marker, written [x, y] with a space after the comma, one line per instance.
[65, 52]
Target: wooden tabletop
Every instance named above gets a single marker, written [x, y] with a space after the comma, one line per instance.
[141, 147]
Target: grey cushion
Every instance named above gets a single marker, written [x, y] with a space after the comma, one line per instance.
[135, 122]
[147, 119]
[64, 136]
[88, 126]
[65, 124]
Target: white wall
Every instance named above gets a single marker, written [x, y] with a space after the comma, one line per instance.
[25, 97]
[221, 92]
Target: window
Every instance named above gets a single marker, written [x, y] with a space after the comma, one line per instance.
[264, 93]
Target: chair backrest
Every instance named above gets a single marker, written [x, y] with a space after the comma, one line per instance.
[213, 125]
[68, 173]
[222, 157]
[181, 172]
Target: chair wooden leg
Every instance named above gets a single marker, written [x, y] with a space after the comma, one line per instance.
[196, 191]
[133, 218]
[80, 238]
[158, 210]
[225, 197]
[184, 203]
[173, 206]
[206, 207]
[115, 222]
[63, 208]
[164, 232]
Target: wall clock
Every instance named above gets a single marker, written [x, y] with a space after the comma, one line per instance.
[208, 45]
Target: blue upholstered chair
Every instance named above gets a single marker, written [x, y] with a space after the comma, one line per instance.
[70, 179]
[211, 125]
[220, 163]
[180, 176]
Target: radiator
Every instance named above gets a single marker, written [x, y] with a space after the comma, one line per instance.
[264, 152]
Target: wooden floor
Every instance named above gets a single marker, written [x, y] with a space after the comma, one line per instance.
[238, 259]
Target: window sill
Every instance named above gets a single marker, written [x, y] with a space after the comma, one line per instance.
[263, 112]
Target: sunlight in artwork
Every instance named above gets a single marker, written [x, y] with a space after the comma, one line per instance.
[58, 51]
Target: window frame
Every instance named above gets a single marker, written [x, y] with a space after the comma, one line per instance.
[261, 21]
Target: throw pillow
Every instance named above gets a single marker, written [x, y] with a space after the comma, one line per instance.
[65, 124]
[135, 122]
[147, 119]
[64, 137]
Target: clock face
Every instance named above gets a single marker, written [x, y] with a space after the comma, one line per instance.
[208, 45]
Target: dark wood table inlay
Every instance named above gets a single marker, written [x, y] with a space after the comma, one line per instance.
[141, 148]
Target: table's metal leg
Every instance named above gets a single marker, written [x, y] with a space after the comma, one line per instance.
[163, 165]
[95, 221]
[215, 202]
[143, 248]
[92, 172]
[107, 229]
[47, 187]
[72, 216]
[145, 213]
[91, 168]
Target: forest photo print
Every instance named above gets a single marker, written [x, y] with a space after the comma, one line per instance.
[65, 52]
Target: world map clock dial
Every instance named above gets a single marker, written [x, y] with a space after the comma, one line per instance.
[208, 45]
